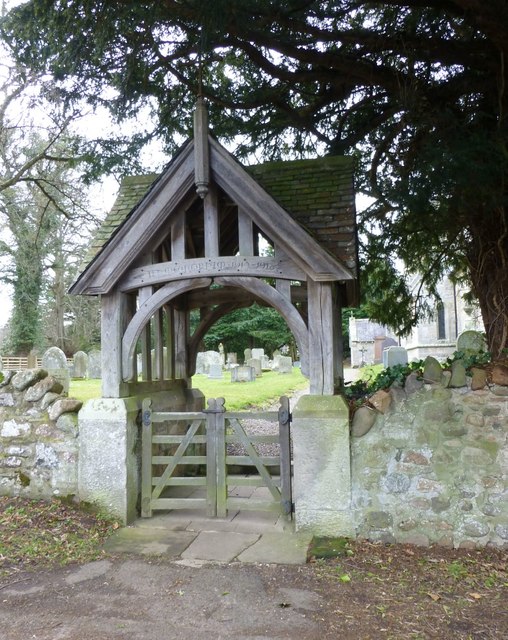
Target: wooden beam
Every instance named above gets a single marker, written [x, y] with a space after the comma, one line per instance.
[146, 311]
[245, 234]
[282, 286]
[178, 269]
[180, 336]
[211, 223]
[177, 237]
[322, 347]
[113, 320]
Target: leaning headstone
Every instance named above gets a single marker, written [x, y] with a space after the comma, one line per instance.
[285, 364]
[471, 342]
[247, 354]
[55, 363]
[243, 373]
[458, 377]
[258, 353]
[95, 365]
[80, 365]
[393, 356]
[432, 371]
[215, 371]
[255, 363]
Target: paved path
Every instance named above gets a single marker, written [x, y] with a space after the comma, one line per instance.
[190, 538]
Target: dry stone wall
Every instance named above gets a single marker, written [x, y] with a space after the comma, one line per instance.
[430, 464]
[38, 436]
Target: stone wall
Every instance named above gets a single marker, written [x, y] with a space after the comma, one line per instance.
[433, 468]
[38, 436]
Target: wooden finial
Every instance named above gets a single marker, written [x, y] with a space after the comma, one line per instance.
[201, 156]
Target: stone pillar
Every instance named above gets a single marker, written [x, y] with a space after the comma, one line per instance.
[108, 467]
[322, 477]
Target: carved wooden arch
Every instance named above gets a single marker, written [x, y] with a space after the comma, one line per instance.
[283, 305]
[142, 316]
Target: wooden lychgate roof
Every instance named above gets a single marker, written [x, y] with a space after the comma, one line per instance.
[305, 208]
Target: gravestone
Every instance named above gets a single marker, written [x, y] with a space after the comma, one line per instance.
[471, 342]
[205, 359]
[394, 356]
[276, 360]
[247, 355]
[215, 371]
[231, 359]
[255, 363]
[285, 364]
[258, 353]
[80, 365]
[54, 362]
[200, 362]
[243, 373]
[265, 363]
[95, 365]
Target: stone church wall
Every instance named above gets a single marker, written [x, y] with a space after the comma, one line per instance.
[434, 467]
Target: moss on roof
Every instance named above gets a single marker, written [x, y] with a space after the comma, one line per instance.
[318, 194]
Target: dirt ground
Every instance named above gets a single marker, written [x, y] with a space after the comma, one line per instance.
[372, 591]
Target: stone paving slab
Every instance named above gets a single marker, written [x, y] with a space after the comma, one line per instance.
[278, 548]
[146, 541]
[219, 546]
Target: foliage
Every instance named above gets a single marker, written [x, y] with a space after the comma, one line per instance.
[417, 90]
[37, 533]
[396, 375]
[381, 380]
[254, 326]
[47, 233]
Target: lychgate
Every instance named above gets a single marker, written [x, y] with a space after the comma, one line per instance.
[193, 238]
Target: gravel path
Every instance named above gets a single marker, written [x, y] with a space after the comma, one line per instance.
[265, 427]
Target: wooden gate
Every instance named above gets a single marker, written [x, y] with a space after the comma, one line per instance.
[218, 448]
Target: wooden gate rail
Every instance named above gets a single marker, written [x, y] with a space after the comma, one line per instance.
[151, 487]
[221, 429]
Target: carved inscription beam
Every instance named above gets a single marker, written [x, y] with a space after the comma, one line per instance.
[280, 268]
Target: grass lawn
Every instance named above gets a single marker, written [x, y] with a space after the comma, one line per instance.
[239, 395]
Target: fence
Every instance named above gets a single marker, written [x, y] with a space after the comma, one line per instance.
[16, 363]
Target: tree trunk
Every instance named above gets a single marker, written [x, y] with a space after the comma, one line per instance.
[25, 323]
[488, 261]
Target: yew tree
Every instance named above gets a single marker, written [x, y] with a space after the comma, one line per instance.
[417, 89]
